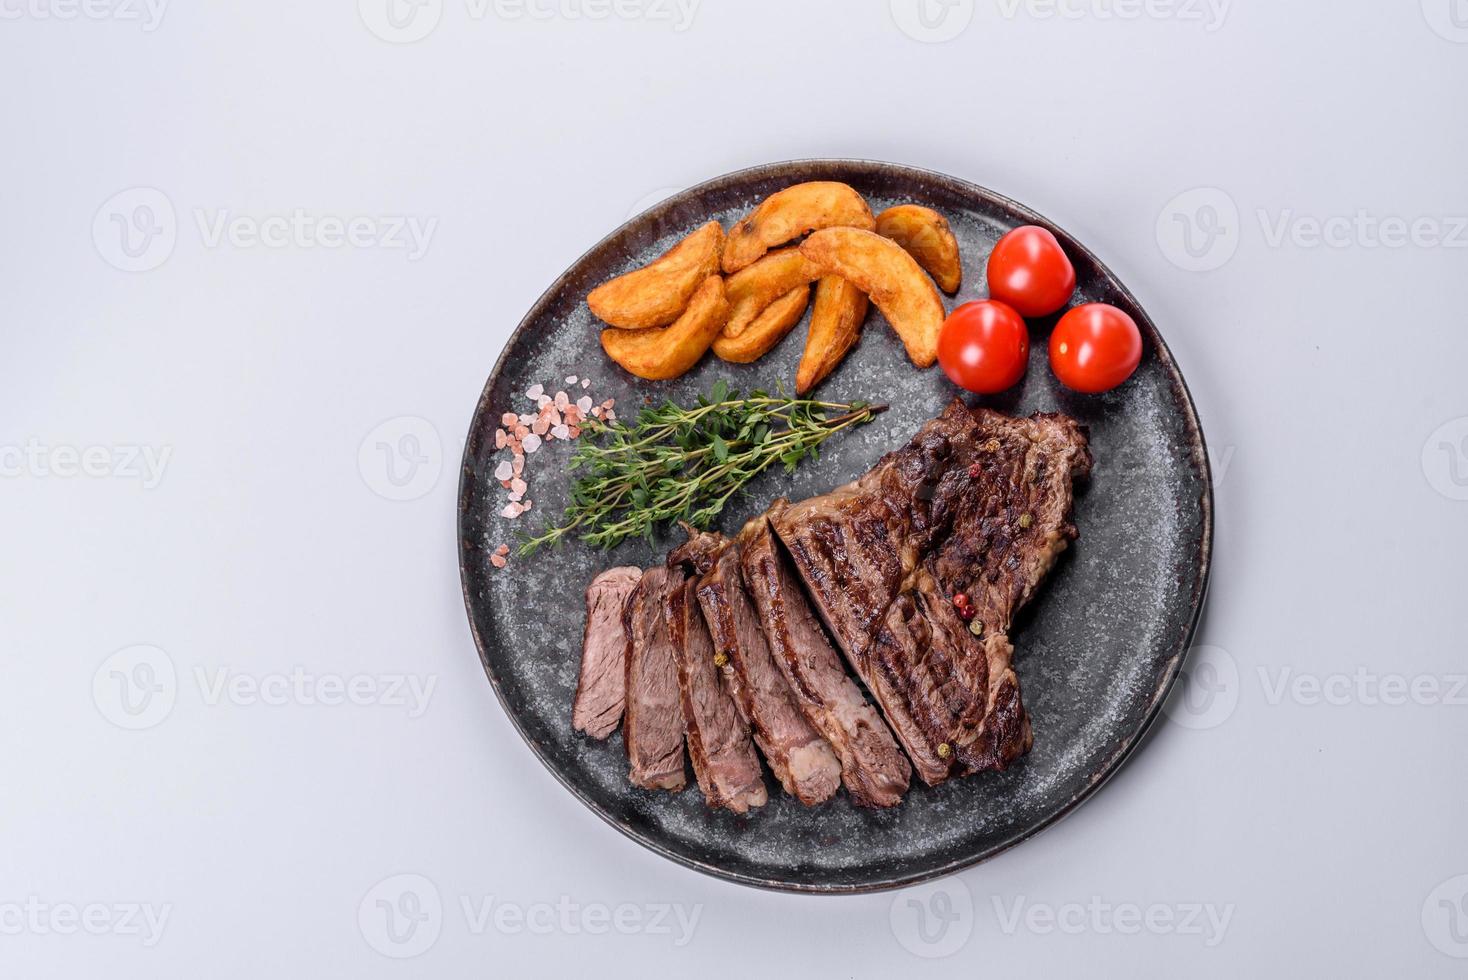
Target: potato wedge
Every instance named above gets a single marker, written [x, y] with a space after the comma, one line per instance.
[752, 289]
[925, 234]
[890, 277]
[767, 330]
[835, 325]
[786, 215]
[657, 294]
[660, 353]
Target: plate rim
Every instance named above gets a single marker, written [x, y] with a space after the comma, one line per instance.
[1198, 445]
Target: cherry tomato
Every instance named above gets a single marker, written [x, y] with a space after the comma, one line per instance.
[1031, 272]
[1094, 348]
[984, 347]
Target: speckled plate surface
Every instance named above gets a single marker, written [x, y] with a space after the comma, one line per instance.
[1096, 652]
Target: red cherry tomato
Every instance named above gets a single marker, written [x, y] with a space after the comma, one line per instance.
[984, 347]
[1031, 272]
[1094, 348]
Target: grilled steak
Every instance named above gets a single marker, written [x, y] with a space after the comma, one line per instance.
[872, 767]
[798, 755]
[602, 690]
[977, 504]
[723, 757]
[653, 727]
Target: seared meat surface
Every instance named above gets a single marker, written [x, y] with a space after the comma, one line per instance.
[917, 570]
[872, 767]
[724, 761]
[602, 689]
[957, 528]
[797, 754]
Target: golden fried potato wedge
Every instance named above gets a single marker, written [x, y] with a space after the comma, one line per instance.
[752, 289]
[890, 277]
[660, 353]
[835, 325]
[925, 234]
[786, 215]
[657, 294]
[767, 330]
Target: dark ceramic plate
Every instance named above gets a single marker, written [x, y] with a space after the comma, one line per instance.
[1096, 652]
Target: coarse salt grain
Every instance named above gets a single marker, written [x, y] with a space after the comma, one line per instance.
[571, 379]
[531, 442]
[498, 561]
[512, 510]
[584, 403]
[561, 432]
[503, 471]
[586, 382]
[534, 391]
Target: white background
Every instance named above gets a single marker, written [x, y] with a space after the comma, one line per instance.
[1328, 833]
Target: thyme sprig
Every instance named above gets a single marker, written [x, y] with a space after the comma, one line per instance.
[684, 464]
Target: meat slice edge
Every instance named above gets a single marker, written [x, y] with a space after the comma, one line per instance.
[723, 756]
[652, 728]
[873, 769]
[601, 690]
[798, 755]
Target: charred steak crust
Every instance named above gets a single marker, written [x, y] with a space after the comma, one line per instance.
[873, 769]
[724, 761]
[978, 504]
[653, 726]
[601, 691]
[797, 754]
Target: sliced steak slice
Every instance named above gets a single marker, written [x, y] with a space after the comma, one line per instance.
[653, 726]
[976, 503]
[602, 690]
[724, 761]
[798, 756]
[872, 767]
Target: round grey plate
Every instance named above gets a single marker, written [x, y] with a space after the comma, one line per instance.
[1096, 652]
